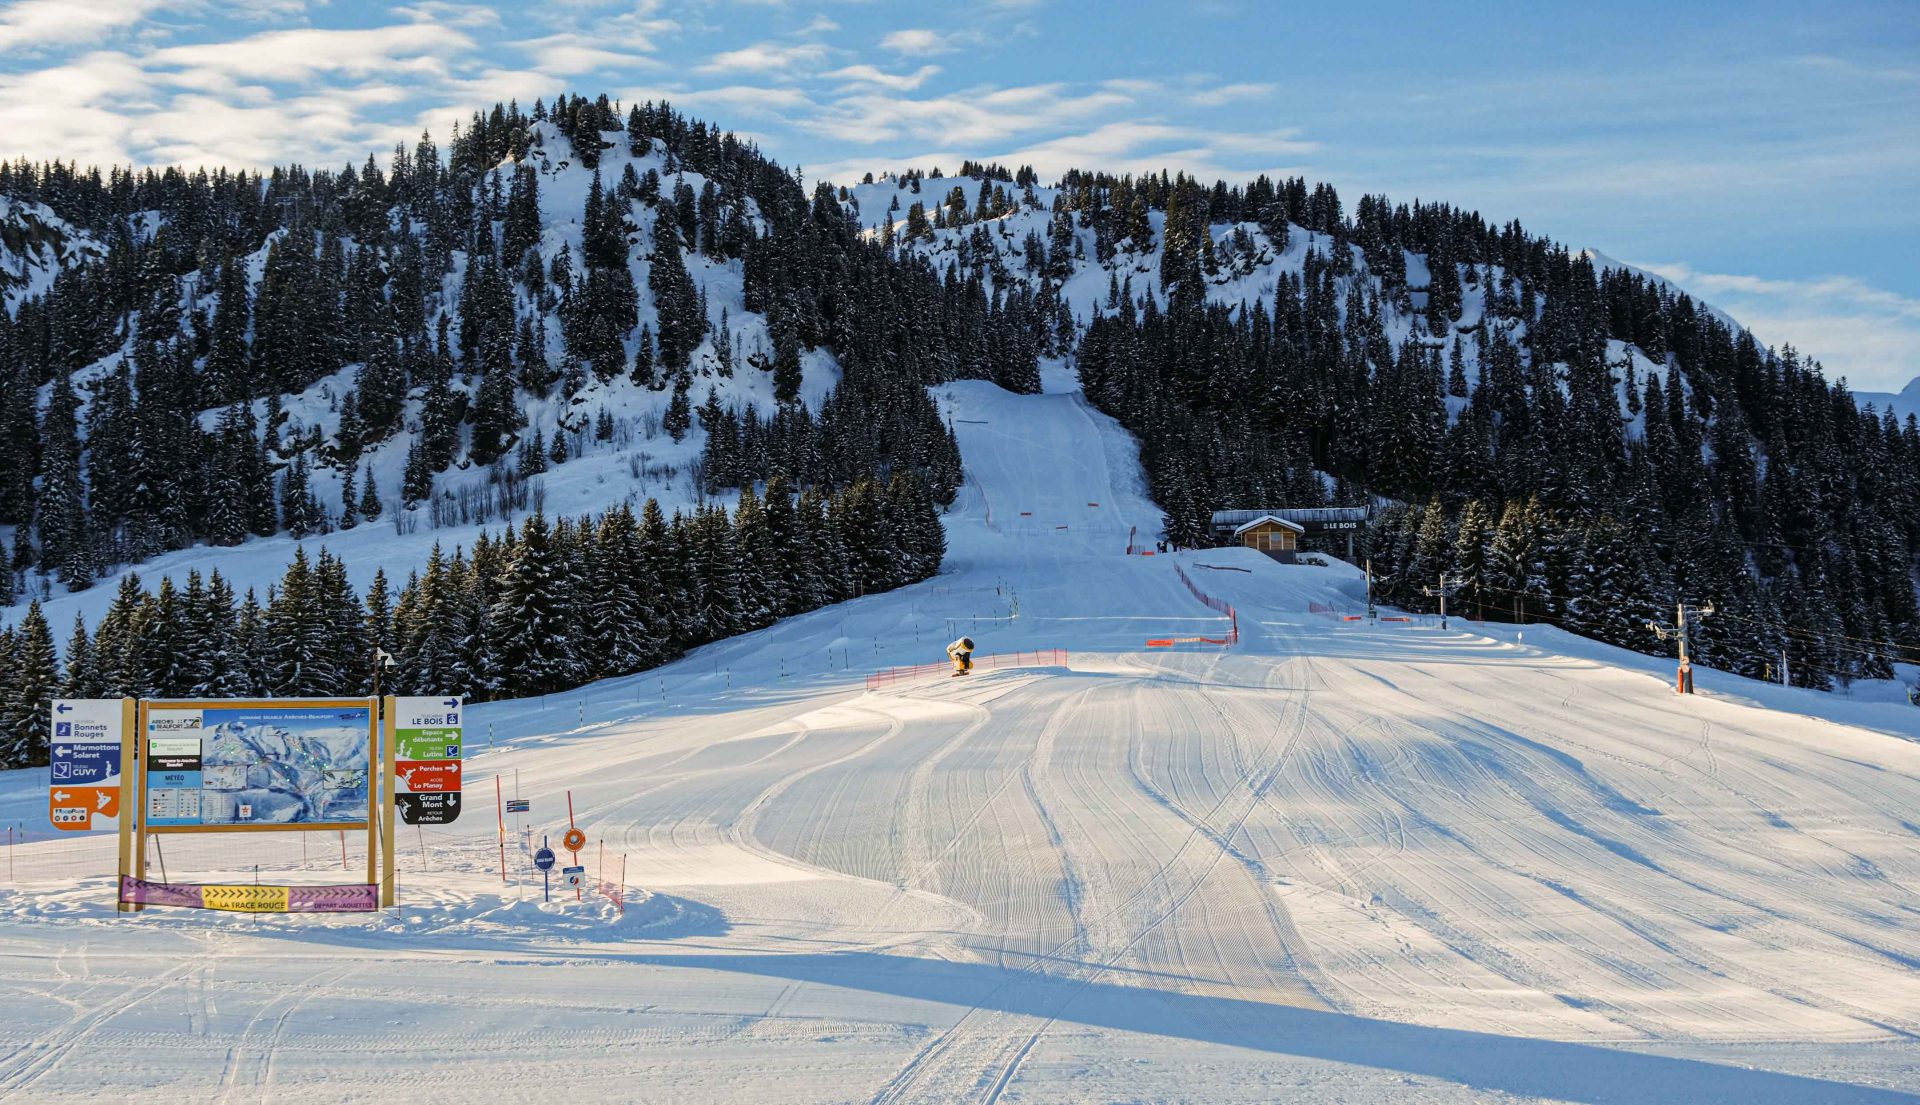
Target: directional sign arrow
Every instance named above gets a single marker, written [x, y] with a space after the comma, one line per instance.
[61, 796]
[64, 708]
[450, 703]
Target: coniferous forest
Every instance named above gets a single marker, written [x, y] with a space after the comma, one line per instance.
[1569, 445]
[1551, 480]
[422, 281]
[540, 608]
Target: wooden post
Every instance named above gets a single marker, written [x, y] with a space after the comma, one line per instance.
[389, 757]
[374, 724]
[129, 794]
[139, 810]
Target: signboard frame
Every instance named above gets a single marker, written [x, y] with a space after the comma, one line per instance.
[134, 780]
[87, 777]
[390, 760]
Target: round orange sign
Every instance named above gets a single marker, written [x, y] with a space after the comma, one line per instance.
[574, 840]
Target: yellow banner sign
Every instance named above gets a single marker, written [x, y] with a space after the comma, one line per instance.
[246, 899]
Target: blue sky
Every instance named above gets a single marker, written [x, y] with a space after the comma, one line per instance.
[1769, 160]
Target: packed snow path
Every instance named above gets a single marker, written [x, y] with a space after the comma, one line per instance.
[1335, 862]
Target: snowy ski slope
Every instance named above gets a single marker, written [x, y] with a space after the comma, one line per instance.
[1335, 863]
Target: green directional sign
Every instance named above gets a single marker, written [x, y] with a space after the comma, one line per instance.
[440, 743]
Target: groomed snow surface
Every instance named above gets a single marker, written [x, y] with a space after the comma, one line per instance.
[1336, 863]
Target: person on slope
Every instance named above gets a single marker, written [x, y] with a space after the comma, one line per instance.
[961, 653]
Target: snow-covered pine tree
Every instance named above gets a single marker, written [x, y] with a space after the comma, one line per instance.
[83, 670]
[298, 662]
[532, 639]
[33, 679]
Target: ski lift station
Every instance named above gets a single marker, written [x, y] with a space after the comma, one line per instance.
[1279, 531]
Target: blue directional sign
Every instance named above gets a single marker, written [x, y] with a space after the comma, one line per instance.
[85, 763]
[543, 859]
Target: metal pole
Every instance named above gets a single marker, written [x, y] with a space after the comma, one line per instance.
[546, 883]
[576, 854]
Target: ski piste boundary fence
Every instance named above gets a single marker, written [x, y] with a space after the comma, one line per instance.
[1217, 605]
[1039, 658]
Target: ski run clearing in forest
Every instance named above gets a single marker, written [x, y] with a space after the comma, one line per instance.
[1338, 862]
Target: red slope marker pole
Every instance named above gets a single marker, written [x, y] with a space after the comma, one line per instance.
[576, 852]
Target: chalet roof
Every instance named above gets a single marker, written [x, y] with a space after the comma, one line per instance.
[1264, 519]
[1228, 519]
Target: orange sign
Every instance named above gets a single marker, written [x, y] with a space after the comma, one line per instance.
[74, 808]
[574, 840]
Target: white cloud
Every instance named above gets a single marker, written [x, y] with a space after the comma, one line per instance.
[968, 117]
[35, 24]
[768, 57]
[917, 42]
[1229, 93]
[901, 82]
[304, 54]
[449, 14]
[568, 55]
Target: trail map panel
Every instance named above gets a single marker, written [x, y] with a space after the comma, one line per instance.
[250, 764]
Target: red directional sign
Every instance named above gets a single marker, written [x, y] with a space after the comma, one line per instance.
[429, 776]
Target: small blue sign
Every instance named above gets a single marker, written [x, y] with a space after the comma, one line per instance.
[543, 859]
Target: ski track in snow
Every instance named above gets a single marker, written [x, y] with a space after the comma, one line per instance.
[1334, 863]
